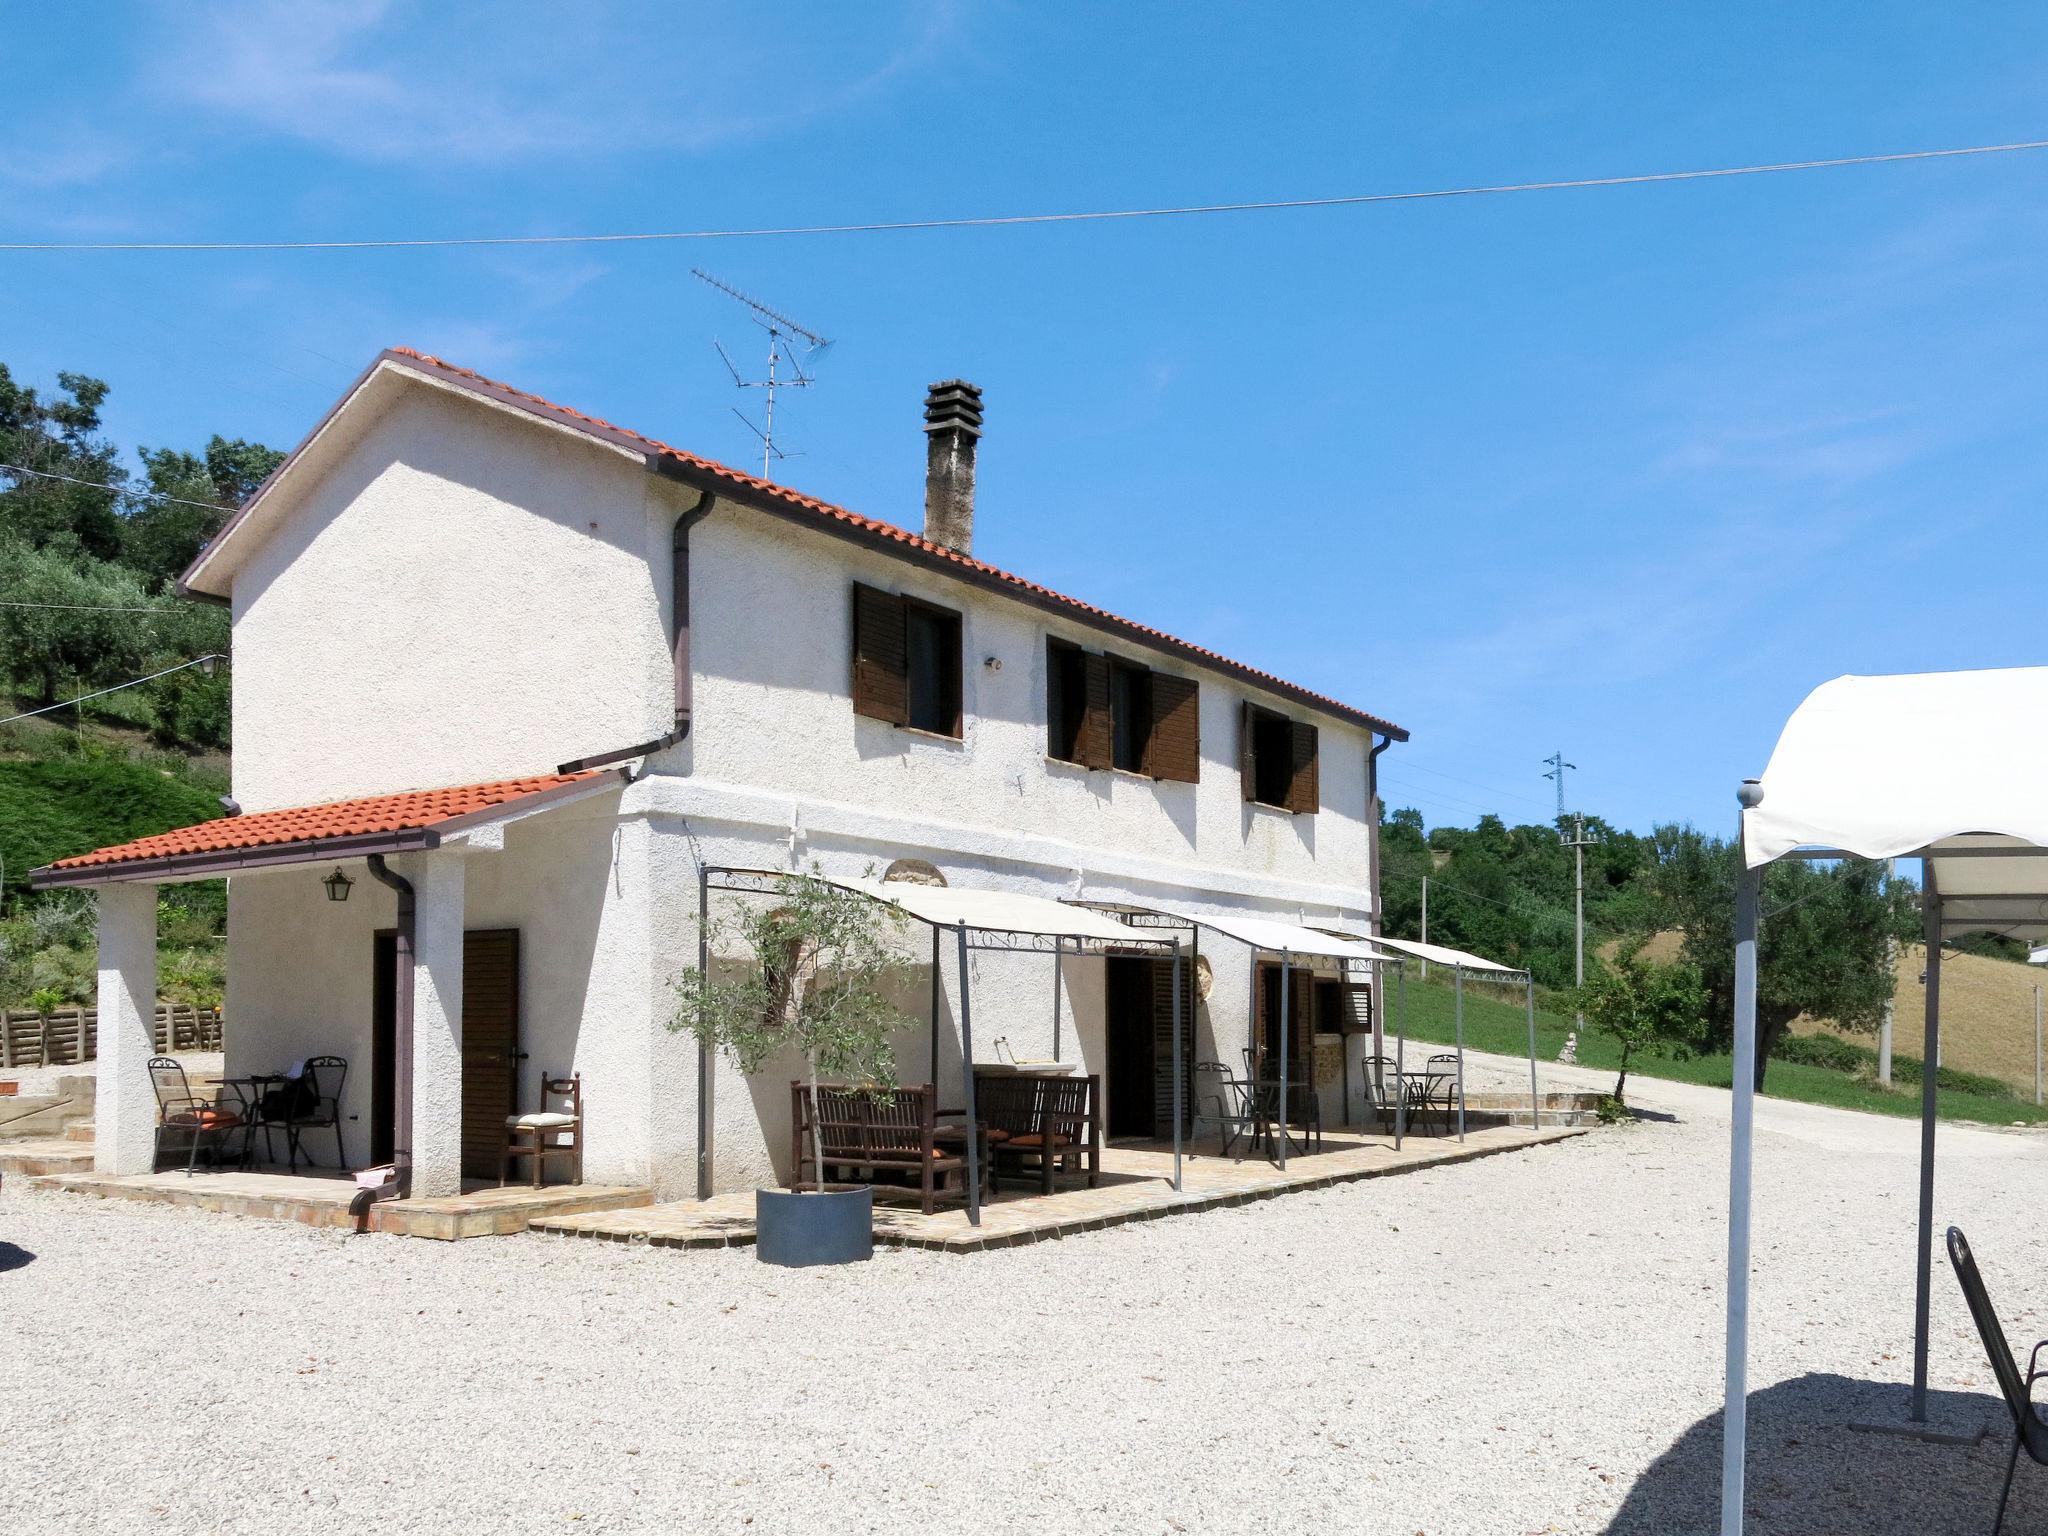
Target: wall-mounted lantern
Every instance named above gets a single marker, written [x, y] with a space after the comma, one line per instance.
[337, 886]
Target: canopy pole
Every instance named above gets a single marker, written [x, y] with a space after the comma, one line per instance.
[1400, 1053]
[1059, 949]
[967, 1076]
[1458, 988]
[1529, 993]
[1735, 1388]
[1179, 1097]
[1286, 990]
[1930, 1062]
[705, 1060]
[937, 998]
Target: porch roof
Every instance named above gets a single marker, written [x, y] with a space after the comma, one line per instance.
[413, 821]
[1448, 958]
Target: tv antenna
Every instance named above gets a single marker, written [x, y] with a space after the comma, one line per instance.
[788, 368]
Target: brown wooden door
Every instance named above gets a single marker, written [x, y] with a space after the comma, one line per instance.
[490, 1045]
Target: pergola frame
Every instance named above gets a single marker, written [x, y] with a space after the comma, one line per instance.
[751, 881]
[1937, 926]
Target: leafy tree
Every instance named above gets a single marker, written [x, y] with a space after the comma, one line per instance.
[1822, 946]
[164, 534]
[76, 633]
[59, 436]
[1639, 1004]
[814, 978]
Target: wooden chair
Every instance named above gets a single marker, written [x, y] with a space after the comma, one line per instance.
[546, 1132]
[1052, 1119]
[861, 1130]
[181, 1112]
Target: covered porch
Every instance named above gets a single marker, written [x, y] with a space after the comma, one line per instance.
[375, 1047]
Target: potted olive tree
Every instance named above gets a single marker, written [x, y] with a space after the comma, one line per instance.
[810, 975]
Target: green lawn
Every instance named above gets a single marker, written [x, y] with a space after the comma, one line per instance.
[1502, 1027]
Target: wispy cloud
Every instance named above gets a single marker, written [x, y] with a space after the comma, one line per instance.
[513, 84]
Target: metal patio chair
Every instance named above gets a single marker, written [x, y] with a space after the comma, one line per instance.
[201, 1121]
[319, 1110]
[1382, 1089]
[2028, 1429]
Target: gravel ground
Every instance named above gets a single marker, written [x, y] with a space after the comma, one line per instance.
[1529, 1343]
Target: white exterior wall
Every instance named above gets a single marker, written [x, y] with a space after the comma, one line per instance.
[464, 596]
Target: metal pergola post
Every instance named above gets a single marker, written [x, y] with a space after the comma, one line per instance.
[1458, 1013]
[1286, 988]
[938, 994]
[1400, 1054]
[1535, 1103]
[1930, 1057]
[706, 1061]
[1059, 950]
[1735, 1387]
[967, 1077]
[1179, 1088]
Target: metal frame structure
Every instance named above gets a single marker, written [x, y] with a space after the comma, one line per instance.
[750, 881]
[1938, 925]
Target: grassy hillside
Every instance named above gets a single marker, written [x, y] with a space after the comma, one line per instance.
[1501, 1026]
[1987, 1015]
[51, 808]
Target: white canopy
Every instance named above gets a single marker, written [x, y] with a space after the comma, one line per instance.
[1451, 959]
[1001, 912]
[1949, 765]
[1276, 937]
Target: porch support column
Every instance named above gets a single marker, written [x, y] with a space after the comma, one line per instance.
[124, 1104]
[437, 1025]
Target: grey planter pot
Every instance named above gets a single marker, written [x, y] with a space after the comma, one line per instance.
[794, 1227]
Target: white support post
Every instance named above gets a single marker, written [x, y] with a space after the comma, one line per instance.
[437, 1024]
[1930, 1066]
[124, 1103]
[1735, 1387]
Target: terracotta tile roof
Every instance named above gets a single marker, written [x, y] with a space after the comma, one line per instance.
[910, 543]
[420, 810]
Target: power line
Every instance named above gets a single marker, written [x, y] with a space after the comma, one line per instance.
[118, 490]
[134, 682]
[991, 221]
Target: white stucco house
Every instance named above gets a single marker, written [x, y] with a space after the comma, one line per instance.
[517, 673]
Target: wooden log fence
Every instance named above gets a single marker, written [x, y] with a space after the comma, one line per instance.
[71, 1035]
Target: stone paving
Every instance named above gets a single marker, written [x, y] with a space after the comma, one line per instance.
[1135, 1187]
[322, 1200]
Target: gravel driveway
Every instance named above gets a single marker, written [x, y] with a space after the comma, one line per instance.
[1529, 1343]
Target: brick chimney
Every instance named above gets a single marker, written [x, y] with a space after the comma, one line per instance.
[952, 424]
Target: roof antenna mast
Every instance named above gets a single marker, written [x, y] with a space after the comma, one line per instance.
[787, 367]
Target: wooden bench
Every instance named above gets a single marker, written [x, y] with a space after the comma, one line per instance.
[859, 1129]
[1054, 1119]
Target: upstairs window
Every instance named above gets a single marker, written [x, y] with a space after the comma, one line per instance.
[1278, 761]
[1104, 712]
[906, 661]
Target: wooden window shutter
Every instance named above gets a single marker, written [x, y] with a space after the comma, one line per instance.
[1247, 748]
[1097, 740]
[1174, 748]
[881, 664]
[1304, 793]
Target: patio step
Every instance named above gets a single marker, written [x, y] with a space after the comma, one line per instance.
[80, 1130]
[36, 1159]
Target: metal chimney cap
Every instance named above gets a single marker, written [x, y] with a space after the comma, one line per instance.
[953, 404]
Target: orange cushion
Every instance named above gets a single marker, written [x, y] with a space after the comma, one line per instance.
[1059, 1143]
[206, 1119]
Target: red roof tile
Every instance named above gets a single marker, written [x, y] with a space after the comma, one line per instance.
[417, 810]
[910, 542]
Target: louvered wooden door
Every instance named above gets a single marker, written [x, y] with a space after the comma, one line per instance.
[490, 1045]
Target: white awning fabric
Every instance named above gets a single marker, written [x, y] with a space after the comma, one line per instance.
[1949, 765]
[1450, 959]
[1275, 937]
[1002, 912]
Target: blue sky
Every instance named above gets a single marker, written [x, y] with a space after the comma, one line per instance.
[1623, 472]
